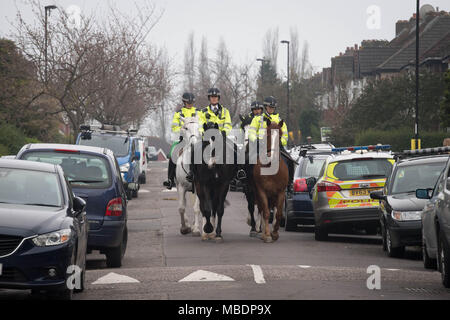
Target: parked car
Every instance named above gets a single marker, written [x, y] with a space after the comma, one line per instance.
[124, 146]
[43, 229]
[436, 224]
[400, 209]
[341, 197]
[142, 162]
[94, 175]
[152, 154]
[8, 157]
[299, 208]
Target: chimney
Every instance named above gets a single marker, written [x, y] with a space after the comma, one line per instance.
[400, 26]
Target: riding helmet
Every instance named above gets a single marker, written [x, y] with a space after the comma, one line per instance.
[256, 105]
[188, 98]
[213, 92]
[270, 102]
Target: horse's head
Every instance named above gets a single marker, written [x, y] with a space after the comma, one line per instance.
[273, 126]
[190, 129]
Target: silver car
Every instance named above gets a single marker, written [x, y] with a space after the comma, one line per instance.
[341, 197]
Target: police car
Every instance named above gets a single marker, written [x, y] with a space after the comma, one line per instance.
[341, 197]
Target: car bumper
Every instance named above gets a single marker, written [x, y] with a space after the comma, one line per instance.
[357, 217]
[299, 209]
[29, 267]
[405, 233]
[108, 236]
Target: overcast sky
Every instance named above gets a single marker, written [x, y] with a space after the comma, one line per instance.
[329, 26]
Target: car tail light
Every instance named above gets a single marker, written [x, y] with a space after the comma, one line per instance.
[327, 186]
[300, 185]
[114, 208]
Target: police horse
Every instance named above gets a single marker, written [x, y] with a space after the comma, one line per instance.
[191, 135]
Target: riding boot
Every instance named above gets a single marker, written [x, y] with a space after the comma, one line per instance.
[170, 183]
[190, 174]
[291, 176]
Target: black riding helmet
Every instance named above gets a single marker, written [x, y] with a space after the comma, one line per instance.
[270, 102]
[256, 105]
[188, 98]
[213, 92]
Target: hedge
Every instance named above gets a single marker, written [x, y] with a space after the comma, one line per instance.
[400, 139]
[12, 139]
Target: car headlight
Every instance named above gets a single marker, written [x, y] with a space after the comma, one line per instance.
[53, 239]
[125, 167]
[407, 215]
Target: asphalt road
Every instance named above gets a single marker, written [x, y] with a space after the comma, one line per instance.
[161, 264]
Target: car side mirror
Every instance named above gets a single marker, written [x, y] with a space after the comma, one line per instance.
[79, 205]
[137, 155]
[423, 194]
[377, 195]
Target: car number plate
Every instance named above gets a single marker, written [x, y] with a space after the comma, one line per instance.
[360, 193]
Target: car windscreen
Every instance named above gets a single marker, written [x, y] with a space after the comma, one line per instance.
[119, 145]
[28, 187]
[82, 170]
[362, 169]
[310, 167]
[408, 179]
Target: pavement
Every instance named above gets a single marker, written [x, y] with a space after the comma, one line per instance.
[162, 264]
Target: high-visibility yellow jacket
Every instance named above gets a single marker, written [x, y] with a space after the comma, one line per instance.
[177, 122]
[258, 126]
[222, 118]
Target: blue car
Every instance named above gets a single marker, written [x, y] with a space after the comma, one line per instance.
[94, 176]
[126, 149]
[43, 230]
[299, 209]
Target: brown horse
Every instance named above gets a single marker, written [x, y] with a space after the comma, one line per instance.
[270, 189]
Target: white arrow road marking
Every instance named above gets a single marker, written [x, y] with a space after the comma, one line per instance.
[203, 276]
[305, 267]
[114, 278]
[258, 274]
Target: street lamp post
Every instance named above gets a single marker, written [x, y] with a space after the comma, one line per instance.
[416, 127]
[262, 76]
[48, 10]
[288, 83]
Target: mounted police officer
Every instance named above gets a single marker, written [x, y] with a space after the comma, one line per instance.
[257, 109]
[257, 132]
[188, 110]
[214, 113]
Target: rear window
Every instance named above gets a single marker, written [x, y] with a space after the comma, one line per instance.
[28, 187]
[408, 179]
[362, 169]
[310, 167]
[119, 145]
[82, 170]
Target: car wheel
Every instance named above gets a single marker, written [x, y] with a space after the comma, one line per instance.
[320, 234]
[428, 263]
[129, 194]
[114, 256]
[392, 252]
[144, 179]
[135, 193]
[444, 260]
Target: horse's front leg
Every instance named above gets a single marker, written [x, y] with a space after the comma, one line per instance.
[264, 209]
[197, 218]
[279, 216]
[185, 228]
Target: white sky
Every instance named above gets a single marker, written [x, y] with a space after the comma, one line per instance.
[328, 25]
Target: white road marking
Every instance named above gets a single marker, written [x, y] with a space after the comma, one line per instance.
[258, 274]
[393, 269]
[173, 190]
[144, 191]
[205, 276]
[114, 278]
[304, 267]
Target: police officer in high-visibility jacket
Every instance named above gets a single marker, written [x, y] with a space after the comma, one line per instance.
[187, 111]
[214, 113]
[257, 132]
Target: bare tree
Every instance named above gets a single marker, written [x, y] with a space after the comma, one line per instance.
[271, 45]
[189, 63]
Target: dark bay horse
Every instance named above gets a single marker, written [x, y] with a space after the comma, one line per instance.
[270, 188]
[212, 181]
